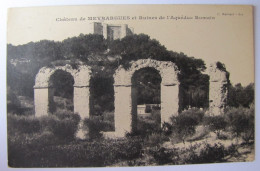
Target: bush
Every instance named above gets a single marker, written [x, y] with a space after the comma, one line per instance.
[60, 104]
[148, 109]
[22, 124]
[13, 103]
[194, 154]
[64, 125]
[206, 154]
[147, 125]
[163, 156]
[155, 139]
[146, 128]
[156, 116]
[95, 124]
[74, 154]
[242, 122]
[67, 115]
[200, 133]
[215, 124]
[108, 117]
[34, 139]
[184, 124]
[25, 149]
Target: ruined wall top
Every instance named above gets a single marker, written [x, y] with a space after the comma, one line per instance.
[81, 75]
[167, 70]
[218, 73]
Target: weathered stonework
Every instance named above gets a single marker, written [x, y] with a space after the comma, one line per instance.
[217, 90]
[125, 107]
[43, 93]
[125, 92]
[111, 31]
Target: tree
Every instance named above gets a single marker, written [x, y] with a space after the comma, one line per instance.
[241, 96]
[194, 84]
[136, 47]
[105, 56]
[83, 46]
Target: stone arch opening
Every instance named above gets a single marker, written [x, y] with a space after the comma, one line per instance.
[124, 108]
[61, 83]
[146, 99]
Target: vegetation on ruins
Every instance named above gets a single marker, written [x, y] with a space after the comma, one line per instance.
[194, 136]
[24, 61]
[104, 57]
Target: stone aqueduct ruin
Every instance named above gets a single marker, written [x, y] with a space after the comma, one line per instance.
[124, 91]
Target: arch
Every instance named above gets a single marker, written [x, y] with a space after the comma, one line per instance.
[147, 79]
[43, 90]
[61, 83]
[124, 91]
[140, 83]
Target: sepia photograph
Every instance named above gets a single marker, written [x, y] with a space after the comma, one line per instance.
[130, 85]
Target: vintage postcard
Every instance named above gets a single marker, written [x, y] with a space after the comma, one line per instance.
[130, 85]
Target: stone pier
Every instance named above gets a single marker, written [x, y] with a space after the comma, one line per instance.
[169, 99]
[42, 100]
[218, 88]
[123, 109]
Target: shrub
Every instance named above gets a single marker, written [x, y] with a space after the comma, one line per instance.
[200, 132]
[194, 154]
[64, 125]
[156, 116]
[108, 118]
[163, 156]
[62, 104]
[167, 128]
[75, 154]
[13, 103]
[215, 124]
[148, 109]
[93, 127]
[146, 127]
[242, 122]
[155, 139]
[184, 124]
[34, 139]
[22, 124]
[25, 149]
[67, 115]
[96, 124]
[206, 154]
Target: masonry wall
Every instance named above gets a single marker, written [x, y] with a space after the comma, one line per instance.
[110, 31]
[123, 110]
[169, 102]
[81, 101]
[41, 101]
[125, 93]
[114, 32]
[218, 89]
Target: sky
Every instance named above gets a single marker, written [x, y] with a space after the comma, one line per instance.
[212, 33]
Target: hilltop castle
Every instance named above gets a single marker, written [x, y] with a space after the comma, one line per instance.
[111, 31]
